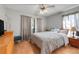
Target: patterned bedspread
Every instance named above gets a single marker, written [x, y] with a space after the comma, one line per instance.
[49, 41]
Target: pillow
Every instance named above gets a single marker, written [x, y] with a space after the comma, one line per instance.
[63, 31]
[55, 30]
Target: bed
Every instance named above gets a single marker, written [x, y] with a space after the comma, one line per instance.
[49, 41]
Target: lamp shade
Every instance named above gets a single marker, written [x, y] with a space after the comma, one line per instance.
[73, 29]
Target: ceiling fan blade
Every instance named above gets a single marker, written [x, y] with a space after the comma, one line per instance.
[51, 6]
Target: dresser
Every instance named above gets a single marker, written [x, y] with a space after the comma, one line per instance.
[6, 43]
[74, 42]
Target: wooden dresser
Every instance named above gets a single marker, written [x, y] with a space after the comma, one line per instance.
[74, 42]
[6, 43]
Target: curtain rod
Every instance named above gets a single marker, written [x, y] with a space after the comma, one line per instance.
[70, 13]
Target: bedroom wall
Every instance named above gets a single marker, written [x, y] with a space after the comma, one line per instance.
[3, 15]
[14, 19]
[55, 21]
[13, 23]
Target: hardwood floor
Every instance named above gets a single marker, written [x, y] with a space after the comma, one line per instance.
[67, 50]
[25, 47]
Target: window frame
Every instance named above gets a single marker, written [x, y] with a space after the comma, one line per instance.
[75, 17]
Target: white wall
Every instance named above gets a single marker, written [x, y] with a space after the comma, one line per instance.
[2, 12]
[14, 21]
[55, 20]
[3, 15]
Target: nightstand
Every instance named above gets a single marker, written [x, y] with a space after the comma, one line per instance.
[74, 42]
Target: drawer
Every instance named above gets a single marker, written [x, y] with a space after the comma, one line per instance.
[75, 45]
[74, 42]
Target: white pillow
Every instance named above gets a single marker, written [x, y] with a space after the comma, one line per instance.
[63, 31]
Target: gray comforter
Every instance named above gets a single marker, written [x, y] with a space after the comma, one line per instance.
[49, 41]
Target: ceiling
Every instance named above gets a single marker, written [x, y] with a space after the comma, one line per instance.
[33, 9]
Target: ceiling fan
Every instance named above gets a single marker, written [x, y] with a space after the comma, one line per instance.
[44, 7]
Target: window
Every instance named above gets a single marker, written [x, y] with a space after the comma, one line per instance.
[70, 21]
[36, 25]
[33, 25]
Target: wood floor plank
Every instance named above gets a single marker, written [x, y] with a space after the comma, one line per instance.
[26, 47]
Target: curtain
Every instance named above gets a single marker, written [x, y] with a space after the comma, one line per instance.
[39, 24]
[71, 21]
[77, 21]
[25, 27]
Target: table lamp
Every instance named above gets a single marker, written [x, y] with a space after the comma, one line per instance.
[73, 29]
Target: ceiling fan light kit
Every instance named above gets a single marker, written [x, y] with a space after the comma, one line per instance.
[44, 8]
[43, 11]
